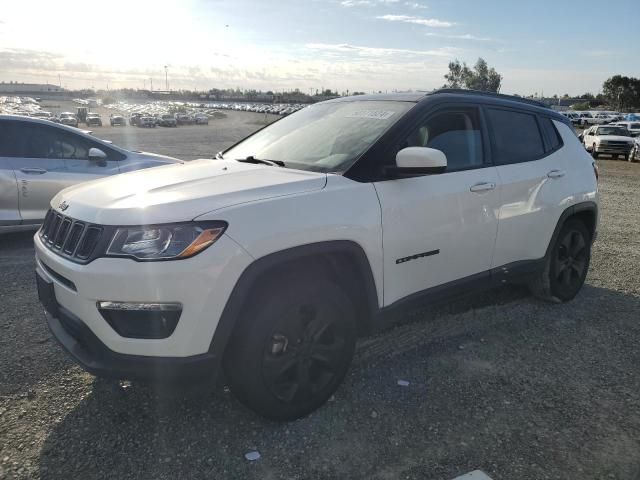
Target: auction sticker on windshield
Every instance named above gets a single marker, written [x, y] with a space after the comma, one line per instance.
[375, 114]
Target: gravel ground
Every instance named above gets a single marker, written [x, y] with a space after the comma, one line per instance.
[504, 383]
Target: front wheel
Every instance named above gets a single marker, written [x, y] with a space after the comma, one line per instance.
[594, 153]
[567, 264]
[292, 347]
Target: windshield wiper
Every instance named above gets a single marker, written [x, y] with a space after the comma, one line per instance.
[252, 159]
[219, 156]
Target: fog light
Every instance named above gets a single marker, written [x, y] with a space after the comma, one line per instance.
[141, 320]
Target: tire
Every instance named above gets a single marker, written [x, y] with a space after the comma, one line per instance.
[594, 154]
[291, 347]
[566, 265]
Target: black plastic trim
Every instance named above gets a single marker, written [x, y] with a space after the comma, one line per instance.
[61, 279]
[570, 211]
[250, 277]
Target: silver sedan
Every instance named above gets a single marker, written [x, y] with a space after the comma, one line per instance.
[39, 158]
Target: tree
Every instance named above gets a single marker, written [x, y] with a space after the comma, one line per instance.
[481, 77]
[581, 106]
[623, 92]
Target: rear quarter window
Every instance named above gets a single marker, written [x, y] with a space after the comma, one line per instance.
[516, 136]
[554, 142]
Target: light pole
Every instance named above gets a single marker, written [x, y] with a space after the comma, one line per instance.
[166, 77]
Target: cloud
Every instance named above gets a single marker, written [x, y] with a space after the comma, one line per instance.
[380, 52]
[356, 3]
[367, 3]
[465, 36]
[415, 5]
[427, 22]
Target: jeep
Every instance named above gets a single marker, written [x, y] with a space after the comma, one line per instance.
[268, 262]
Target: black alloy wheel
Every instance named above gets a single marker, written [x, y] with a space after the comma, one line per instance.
[292, 346]
[570, 261]
[305, 353]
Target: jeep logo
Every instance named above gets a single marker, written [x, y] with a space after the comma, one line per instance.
[63, 206]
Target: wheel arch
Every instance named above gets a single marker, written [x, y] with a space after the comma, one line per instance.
[344, 260]
[587, 212]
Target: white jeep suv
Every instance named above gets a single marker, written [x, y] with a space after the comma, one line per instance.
[271, 260]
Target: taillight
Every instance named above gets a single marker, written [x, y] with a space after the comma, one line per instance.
[595, 171]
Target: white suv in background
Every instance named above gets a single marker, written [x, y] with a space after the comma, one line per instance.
[608, 140]
[272, 259]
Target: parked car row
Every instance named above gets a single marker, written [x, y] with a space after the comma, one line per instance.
[585, 119]
[277, 109]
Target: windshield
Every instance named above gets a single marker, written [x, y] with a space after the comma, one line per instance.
[326, 137]
[613, 131]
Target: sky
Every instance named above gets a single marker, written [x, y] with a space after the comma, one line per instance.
[545, 47]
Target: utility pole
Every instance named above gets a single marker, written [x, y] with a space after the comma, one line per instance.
[151, 80]
[166, 77]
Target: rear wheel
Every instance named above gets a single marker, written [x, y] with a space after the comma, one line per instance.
[292, 348]
[567, 264]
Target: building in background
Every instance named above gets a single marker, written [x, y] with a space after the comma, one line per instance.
[14, 87]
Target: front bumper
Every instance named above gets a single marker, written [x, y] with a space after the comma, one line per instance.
[94, 356]
[201, 284]
[614, 149]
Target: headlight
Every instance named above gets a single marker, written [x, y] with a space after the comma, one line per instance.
[164, 242]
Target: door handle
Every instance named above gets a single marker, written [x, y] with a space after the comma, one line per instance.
[555, 174]
[33, 170]
[482, 187]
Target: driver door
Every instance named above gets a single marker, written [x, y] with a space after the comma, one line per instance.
[441, 229]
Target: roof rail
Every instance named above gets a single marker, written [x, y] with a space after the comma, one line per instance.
[488, 94]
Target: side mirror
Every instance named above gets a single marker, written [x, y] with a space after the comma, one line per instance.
[98, 156]
[417, 161]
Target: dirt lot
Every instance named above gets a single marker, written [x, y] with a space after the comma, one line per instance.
[503, 383]
[186, 142]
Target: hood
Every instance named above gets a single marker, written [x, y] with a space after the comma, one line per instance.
[181, 192]
[141, 160]
[615, 138]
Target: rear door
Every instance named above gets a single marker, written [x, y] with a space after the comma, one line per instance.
[9, 211]
[533, 175]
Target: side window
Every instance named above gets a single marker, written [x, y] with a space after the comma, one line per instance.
[516, 136]
[41, 141]
[457, 134]
[550, 131]
[8, 145]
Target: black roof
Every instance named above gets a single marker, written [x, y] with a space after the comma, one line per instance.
[418, 96]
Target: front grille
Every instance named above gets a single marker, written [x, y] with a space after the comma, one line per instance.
[69, 238]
